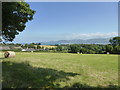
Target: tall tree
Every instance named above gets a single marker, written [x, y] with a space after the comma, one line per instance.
[115, 41]
[109, 48]
[14, 17]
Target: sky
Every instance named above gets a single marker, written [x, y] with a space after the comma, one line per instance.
[70, 20]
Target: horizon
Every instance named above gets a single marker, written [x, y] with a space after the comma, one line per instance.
[42, 43]
[56, 21]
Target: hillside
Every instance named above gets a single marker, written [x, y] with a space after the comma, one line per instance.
[79, 41]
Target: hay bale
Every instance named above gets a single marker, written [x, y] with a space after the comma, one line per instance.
[9, 54]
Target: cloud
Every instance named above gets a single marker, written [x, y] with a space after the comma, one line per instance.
[91, 35]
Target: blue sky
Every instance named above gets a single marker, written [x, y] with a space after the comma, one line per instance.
[70, 20]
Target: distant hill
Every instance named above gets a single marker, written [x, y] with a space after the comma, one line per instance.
[79, 41]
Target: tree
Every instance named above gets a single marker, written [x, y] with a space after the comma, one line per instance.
[59, 48]
[115, 41]
[74, 48]
[14, 17]
[25, 46]
[31, 45]
[116, 49]
[38, 47]
[39, 44]
[109, 48]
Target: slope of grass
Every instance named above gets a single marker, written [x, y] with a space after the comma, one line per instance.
[58, 70]
[47, 46]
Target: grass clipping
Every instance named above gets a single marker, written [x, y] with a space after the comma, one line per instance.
[9, 54]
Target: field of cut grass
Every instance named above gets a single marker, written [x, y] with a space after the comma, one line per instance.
[47, 46]
[59, 70]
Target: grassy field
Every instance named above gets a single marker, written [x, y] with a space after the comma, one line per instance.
[59, 70]
[47, 46]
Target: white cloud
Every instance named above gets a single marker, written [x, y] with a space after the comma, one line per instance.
[91, 35]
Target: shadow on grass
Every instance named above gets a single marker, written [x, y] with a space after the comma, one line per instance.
[2, 58]
[77, 86]
[22, 75]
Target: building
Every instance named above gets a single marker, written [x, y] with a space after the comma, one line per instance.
[28, 49]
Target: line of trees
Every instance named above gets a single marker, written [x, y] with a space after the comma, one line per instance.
[113, 48]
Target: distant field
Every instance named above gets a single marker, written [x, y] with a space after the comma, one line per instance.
[48, 46]
[60, 70]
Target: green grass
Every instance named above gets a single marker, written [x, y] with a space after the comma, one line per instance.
[60, 70]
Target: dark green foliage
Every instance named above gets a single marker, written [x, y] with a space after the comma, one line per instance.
[115, 41]
[31, 46]
[38, 47]
[116, 49]
[59, 48]
[109, 48]
[87, 48]
[39, 44]
[74, 48]
[113, 48]
[14, 17]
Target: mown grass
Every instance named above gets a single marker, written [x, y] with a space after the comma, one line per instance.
[60, 70]
[47, 46]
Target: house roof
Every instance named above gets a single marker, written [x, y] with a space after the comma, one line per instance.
[29, 49]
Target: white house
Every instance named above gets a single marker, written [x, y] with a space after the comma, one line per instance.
[28, 49]
[23, 50]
